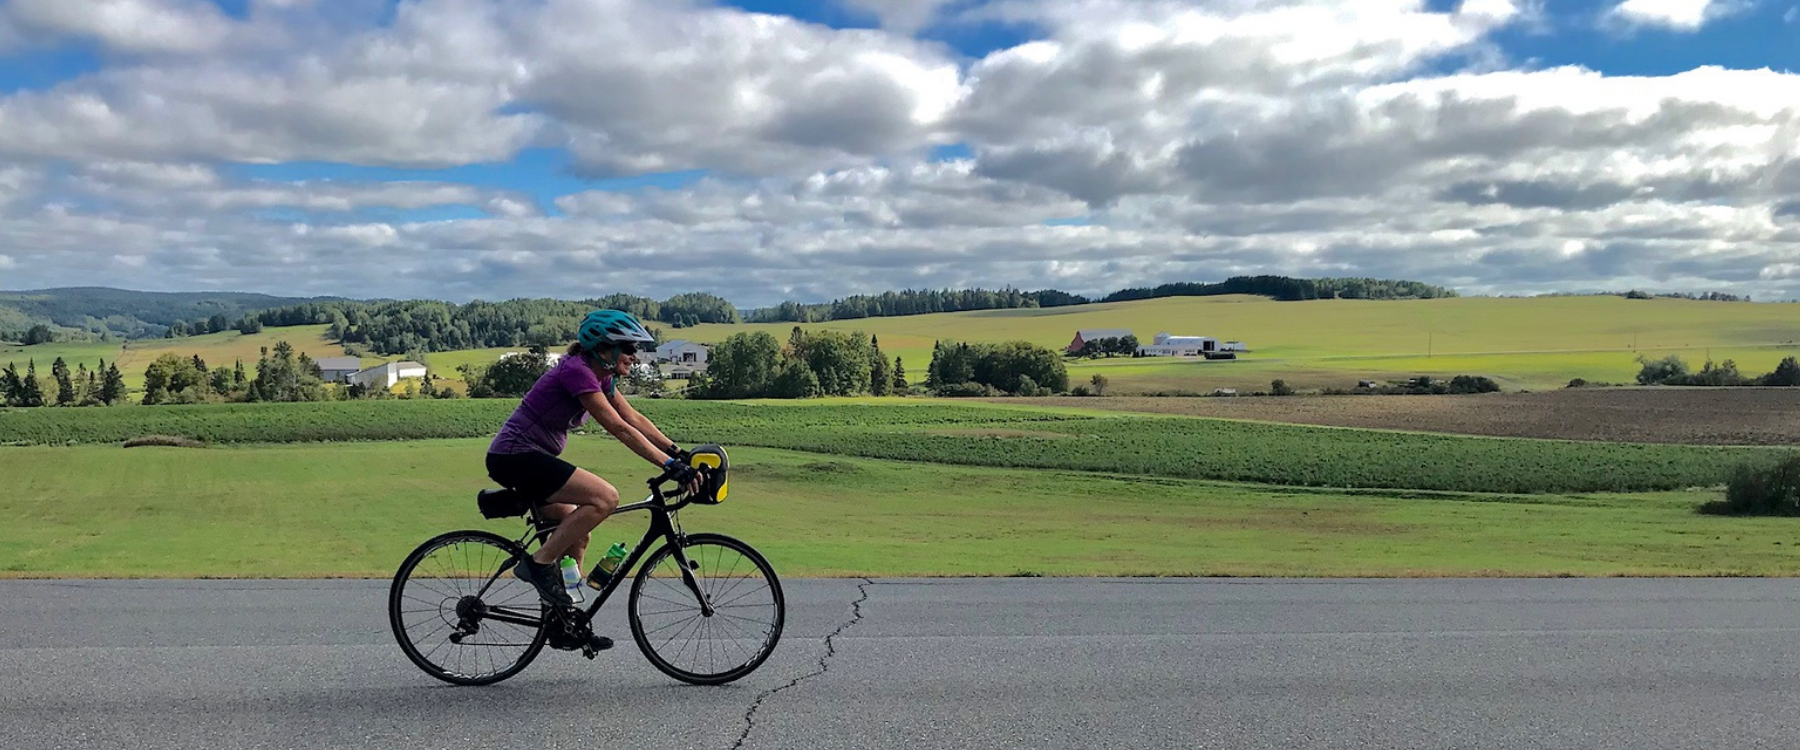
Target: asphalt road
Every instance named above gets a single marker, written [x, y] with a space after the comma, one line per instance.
[1007, 663]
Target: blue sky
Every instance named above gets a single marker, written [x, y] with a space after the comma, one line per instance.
[208, 132]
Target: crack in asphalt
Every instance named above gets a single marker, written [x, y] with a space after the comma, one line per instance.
[824, 664]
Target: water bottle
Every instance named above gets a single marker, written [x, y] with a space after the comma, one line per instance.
[609, 564]
[571, 576]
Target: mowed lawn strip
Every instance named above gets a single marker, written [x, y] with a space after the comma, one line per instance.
[355, 510]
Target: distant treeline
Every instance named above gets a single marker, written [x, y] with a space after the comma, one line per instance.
[1291, 289]
[418, 326]
[912, 302]
[919, 302]
[423, 326]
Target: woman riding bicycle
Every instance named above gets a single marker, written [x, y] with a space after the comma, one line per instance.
[525, 455]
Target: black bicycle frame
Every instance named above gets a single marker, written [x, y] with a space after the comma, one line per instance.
[662, 526]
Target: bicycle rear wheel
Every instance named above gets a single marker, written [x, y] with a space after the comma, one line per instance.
[460, 614]
[677, 634]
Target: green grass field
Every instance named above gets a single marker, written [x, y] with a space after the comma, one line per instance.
[355, 510]
[86, 353]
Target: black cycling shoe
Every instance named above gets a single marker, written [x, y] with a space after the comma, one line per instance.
[547, 578]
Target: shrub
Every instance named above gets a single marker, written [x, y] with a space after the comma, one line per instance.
[966, 390]
[1473, 384]
[1761, 490]
[1280, 387]
[1577, 383]
[1658, 371]
[170, 441]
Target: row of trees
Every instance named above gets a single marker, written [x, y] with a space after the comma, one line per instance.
[812, 363]
[912, 302]
[215, 324]
[1291, 289]
[1671, 370]
[1016, 367]
[281, 375]
[1126, 346]
[400, 327]
[102, 386]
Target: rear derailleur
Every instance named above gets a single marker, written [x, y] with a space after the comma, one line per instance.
[570, 630]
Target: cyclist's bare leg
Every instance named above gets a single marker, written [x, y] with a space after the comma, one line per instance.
[592, 500]
[557, 513]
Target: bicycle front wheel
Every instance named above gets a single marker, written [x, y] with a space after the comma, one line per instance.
[460, 614]
[712, 620]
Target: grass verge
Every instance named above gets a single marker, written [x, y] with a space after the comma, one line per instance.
[355, 510]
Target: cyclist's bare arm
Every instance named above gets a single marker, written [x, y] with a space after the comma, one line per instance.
[639, 421]
[616, 425]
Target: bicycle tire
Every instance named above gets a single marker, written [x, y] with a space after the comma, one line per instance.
[467, 575]
[725, 593]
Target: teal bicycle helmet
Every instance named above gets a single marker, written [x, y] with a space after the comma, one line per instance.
[604, 327]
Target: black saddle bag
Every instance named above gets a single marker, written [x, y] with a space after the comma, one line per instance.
[501, 504]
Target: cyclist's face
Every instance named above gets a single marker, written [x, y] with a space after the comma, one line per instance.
[627, 356]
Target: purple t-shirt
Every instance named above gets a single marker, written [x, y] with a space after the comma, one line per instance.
[550, 409]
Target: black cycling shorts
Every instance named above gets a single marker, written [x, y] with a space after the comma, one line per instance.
[534, 475]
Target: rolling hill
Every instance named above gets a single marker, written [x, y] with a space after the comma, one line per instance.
[1529, 343]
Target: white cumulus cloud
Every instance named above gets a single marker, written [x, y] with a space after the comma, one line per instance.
[1681, 15]
[1119, 143]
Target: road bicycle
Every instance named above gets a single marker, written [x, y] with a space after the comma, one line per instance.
[704, 608]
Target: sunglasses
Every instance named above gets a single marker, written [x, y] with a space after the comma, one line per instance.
[628, 348]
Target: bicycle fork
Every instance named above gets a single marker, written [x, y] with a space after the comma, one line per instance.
[687, 576]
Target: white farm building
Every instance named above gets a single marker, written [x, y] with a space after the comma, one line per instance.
[385, 376]
[682, 352]
[1167, 345]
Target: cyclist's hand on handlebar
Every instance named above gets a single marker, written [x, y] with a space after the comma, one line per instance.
[681, 473]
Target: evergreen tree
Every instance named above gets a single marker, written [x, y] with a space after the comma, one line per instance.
[238, 378]
[32, 394]
[65, 385]
[900, 384]
[12, 387]
[881, 376]
[112, 385]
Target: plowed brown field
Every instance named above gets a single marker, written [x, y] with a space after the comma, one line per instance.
[1701, 416]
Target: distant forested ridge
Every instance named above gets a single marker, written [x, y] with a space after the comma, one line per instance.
[912, 302]
[432, 326]
[388, 327]
[1286, 288]
[100, 313]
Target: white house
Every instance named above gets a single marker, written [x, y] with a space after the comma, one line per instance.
[682, 352]
[1165, 345]
[338, 369]
[385, 376]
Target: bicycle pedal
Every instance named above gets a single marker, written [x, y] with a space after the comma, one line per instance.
[595, 645]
